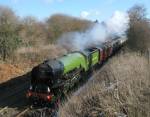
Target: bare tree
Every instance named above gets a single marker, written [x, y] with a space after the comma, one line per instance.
[139, 31]
[59, 23]
[9, 39]
[32, 31]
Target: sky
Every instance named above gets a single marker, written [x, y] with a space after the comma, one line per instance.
[86, 9]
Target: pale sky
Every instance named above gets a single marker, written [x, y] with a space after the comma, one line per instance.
[88, 9]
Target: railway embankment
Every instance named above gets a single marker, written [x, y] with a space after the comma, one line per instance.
[121, 88]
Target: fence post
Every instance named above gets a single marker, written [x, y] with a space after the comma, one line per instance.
[149, 57]
[149, 63]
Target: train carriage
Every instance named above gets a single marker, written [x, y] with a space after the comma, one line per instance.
[110, 48]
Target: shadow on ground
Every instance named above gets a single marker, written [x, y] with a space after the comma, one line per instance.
[12, 92]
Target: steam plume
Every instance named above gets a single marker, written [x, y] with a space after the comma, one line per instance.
[100, 32]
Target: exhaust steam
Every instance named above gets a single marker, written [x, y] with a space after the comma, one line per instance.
[117, 25]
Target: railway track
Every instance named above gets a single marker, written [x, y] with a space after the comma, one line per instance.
[3, 109]
[20, 114]
[13, 96]
[12, 100]
[14, 91]
[15, 99]
[17, 114]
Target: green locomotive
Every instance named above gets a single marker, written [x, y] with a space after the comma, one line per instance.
[52, 79]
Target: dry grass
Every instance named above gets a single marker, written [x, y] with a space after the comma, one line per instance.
[8, 71]
[120, 89]
[38, 54]
[25, 59]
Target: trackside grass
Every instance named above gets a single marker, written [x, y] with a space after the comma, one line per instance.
[120, 89]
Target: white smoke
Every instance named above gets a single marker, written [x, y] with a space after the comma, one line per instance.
[118, 23]
[100, 32]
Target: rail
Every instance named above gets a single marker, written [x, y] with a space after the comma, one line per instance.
[22, 112]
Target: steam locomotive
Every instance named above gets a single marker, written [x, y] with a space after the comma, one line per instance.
[52, 79]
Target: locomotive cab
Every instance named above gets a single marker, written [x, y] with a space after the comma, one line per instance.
[92, 55]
